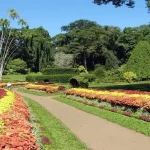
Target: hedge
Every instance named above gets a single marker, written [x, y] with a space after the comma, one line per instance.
[78, 81]
[54, 71]
[64, 78]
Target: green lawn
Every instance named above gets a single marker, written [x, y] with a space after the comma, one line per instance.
[34, 92]
[60, 136]
[13, 78]
[128, 122]
[143, 86]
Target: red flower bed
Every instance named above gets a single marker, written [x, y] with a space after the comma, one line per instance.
[121, 97]
[17, 129]
[2, 93]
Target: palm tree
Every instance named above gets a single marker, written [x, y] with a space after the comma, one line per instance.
[4, 23]
[22, 22]
[13, 14]
[9, 43]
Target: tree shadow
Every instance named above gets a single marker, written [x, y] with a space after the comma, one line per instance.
[137, 86]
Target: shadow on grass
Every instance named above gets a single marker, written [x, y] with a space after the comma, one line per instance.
[134, 86]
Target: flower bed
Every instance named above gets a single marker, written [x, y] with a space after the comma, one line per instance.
[120, 97]
[2, 84]
[127, 111]
[48, 89]
[15, 128]
[2, 93]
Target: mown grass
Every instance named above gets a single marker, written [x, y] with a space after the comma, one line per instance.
[60, 136]
[13, 78]
[34, 92]
[131, 123]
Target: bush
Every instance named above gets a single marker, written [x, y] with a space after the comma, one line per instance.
[82, 69]
[55, 71]
[129, 76]
[78, 81]
[17, 66]
[64, 78]
[100, 73]
[99, 66]
[113, 76]
[89, 77]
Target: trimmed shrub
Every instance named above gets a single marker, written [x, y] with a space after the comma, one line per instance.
[78, 81]
[129, 76]
[89, 77]
[64, 78]
[55, 71]
[82, 69]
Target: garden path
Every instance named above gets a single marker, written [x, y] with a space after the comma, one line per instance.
[97, 133]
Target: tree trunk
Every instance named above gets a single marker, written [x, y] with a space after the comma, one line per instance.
[93, 64]
[85, 62]
[1, 71]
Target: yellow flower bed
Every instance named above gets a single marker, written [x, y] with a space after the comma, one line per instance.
[7, 102]
[49, 89]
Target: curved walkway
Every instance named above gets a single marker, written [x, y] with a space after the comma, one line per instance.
[97, 133]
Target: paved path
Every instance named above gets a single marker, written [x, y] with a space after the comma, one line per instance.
[97, 133]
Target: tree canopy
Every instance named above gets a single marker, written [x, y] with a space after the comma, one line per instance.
[118, 3]
[139, 61]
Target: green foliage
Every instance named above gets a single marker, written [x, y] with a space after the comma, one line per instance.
[79, 24]
[139, 61]
[118, 3]
[100, 73]
[113, 76]
[37, 49]
[111, 60]
[82, 69]
[55, 71]
[64, 78]
[17, 66]
[79, 81]
[129, 76]
[89, 77]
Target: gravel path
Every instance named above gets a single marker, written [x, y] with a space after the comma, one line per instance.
[97, 133]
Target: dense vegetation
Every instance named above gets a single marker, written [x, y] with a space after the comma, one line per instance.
[36, 50]
[108, 52]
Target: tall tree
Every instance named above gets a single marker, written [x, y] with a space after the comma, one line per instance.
[79, 24]
[9, 40]
[86, 43]
[37, 49]
[139, 61]
[118, 3]
[127, 41]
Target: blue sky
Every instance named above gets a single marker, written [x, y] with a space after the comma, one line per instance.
[52, 14]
